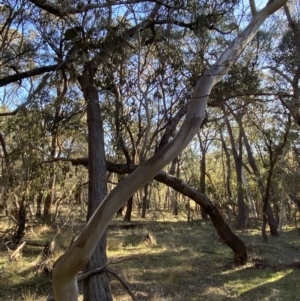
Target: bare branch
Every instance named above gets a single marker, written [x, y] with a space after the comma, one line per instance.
[49, 7]
[100, 270]
[38, 71]
[280, 73]
[63, 12]
[253, 7]
[125, 285]
[66, 267]
[221, 101]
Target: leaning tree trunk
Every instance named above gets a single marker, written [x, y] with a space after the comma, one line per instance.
[64, 279]
[96, 287]
[237, 245]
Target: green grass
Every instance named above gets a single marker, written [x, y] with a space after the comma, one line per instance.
[188, 263]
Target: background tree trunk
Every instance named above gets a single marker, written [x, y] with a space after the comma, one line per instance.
[238, 160]
[145, 200]
[202, 173]
[68, 265]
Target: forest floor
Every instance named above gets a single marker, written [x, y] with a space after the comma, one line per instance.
[186, 262]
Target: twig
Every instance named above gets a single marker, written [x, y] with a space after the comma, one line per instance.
[17, 251]
[67, 220]
[102, 269]
[91, 272]
[125, 285]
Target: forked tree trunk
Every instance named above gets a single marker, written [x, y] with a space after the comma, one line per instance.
[121, 146]
[269, 213]
[67, 266]
[238, 160]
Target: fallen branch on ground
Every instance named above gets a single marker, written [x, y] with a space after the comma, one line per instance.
[16, 253]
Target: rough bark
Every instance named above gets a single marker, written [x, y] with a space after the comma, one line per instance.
[66, 267]
[96, 287]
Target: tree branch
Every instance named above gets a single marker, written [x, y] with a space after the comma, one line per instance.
[222, 101]
[38, 71]
[63, 12]
[102, 269]
[253, 7]
[280, 73]
[125, 285]
[66, 267]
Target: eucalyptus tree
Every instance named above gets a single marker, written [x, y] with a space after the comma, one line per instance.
[64, 274]
[205, 139]
[282, 65]
[145, 102]
[83, 40]
[250, 116]
[237, 152]
[34, 136]
[274, 131]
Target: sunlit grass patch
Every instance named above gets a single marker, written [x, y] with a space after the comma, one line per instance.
[260, 278]
[187, 263]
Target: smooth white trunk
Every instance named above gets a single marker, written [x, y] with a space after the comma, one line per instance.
[67, 266]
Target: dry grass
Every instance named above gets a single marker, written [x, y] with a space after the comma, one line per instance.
[188, 263]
